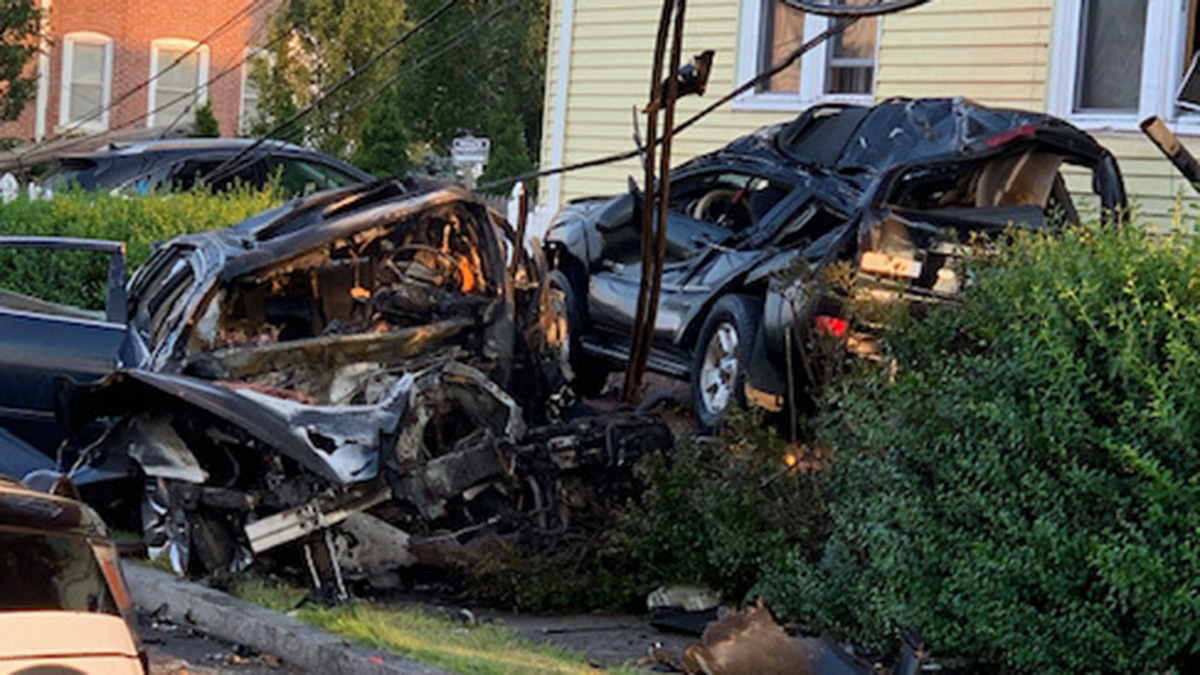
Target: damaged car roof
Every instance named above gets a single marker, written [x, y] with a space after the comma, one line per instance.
[859, 142]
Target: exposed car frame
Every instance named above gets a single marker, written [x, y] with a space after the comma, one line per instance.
[371, 372]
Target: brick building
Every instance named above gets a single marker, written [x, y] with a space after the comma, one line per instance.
[99, 53]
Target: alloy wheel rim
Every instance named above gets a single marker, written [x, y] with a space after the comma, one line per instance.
[719, 371]
[164, 527]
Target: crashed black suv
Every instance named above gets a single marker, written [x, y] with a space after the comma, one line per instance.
[891, 192]
[370, 372]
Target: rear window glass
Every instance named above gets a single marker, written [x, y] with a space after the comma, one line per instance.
[89, 174]
[48, 571]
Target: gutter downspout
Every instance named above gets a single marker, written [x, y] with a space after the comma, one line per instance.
[557, 149]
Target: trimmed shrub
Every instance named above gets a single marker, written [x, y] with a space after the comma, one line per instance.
[80, 278]
[1022, 485]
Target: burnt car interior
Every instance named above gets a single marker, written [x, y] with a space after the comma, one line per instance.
[388, 284]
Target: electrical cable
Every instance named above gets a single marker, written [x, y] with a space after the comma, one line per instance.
[214, 34]
[86, 139]
[763, 76]
[434, 54]
[840, 8]
[224, 168]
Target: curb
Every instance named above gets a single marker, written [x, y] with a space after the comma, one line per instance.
[268, 631]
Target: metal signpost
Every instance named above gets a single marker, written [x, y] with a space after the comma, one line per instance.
[470, 154]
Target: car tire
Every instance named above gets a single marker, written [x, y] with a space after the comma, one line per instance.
[720, 357]
[590, 374]
[191, 543]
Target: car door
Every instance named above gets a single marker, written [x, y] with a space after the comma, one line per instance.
[41, 340]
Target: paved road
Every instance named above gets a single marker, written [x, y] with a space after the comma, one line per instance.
[182, 650]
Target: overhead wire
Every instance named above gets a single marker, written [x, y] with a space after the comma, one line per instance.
[221, 29]
[227, 167]
[436, 53]
[86, 139]
[847, 17]
[764, 76]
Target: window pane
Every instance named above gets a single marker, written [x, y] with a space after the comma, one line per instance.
[85, 101]
[852, 57]
[87, 64]
[783, 32]
[86, 92]
[175, 89]
[1110, 54]
[183, 76]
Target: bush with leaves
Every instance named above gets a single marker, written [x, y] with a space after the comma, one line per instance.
[717, 513]
[1025, 487]
[80, 278]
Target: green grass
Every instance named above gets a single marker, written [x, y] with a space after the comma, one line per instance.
[424, 637]
[270, 594]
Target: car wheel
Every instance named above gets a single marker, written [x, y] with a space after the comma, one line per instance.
[165, 528]
[191, 542]
[720, 356]
[589, 373]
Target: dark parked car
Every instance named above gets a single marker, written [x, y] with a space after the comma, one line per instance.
[344, 361]
[177, 165]
[889, 190]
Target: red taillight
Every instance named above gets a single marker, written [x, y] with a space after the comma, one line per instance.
[1001, 139]
[831, 326]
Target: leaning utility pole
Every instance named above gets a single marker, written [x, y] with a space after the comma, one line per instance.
[643, 325]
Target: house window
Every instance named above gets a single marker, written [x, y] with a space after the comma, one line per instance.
[1112, 38]
[1115, 62]
[842, 68]
[86, 80]
[179, 75]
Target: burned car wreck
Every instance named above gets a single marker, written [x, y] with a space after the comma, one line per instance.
[756, 229]
[371, 373]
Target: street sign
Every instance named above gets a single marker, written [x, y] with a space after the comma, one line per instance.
[471, 150]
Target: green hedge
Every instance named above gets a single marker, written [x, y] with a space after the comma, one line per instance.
[79, 278]
[1024, 488]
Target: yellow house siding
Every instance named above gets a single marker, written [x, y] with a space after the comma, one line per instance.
[610, 76]
[991, 51]
[1153, 184]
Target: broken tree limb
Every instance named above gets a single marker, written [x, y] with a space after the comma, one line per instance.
[1173, 148]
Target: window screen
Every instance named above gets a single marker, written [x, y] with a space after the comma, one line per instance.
[175, 90]
[1112, 36]
[86, 99]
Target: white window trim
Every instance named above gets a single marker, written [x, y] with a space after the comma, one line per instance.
[1162, 69]
[68, 65]
[247, 66]
[813, 69]
[201, 76]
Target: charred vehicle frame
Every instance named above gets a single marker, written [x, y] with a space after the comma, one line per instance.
[337, 372]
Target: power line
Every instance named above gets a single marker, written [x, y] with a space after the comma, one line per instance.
[215, 33]
[835, 29]
[435, 54]
[226, 166]
[86, 139]
[849, 15]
